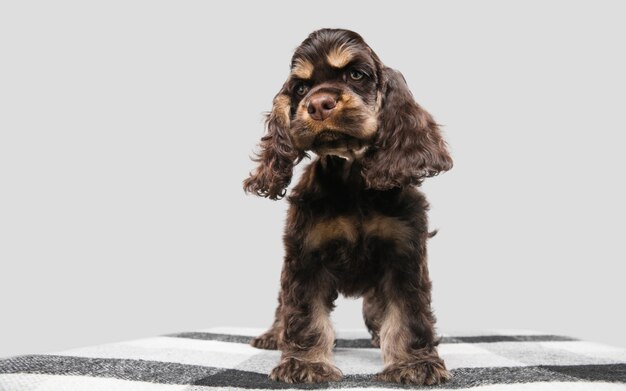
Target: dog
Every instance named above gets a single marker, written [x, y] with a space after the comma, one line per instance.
[356, 224]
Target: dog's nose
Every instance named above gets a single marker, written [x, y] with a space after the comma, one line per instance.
[321, 106]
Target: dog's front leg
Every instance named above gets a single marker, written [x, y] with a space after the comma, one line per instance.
[407, 336]
[308, 336]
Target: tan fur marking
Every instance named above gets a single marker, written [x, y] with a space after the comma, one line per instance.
[302, 69]
[282, 106]
[370, 126]
[353, 101]
[394, 336]
[325, 230]
[322, 325]
[340, 56]
[387, 228]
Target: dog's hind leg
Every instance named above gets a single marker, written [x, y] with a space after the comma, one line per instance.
[373, 312]
[270, 339]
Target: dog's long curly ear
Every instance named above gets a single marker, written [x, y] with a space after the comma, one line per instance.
[408, 145]
[277, 155]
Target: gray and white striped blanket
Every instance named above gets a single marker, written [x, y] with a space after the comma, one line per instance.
[220, 358]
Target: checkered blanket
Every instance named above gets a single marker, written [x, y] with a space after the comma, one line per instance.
[221, 358]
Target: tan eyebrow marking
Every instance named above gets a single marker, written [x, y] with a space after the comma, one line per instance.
[302, 69]
[340, 56]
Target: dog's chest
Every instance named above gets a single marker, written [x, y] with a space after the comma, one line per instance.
[356, 249]
[353, 230]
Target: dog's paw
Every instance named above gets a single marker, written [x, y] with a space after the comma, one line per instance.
[426, 372]
[265, 341]
[291, 370]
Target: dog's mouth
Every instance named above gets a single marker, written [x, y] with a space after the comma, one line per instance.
[333, 138]
[331, 142]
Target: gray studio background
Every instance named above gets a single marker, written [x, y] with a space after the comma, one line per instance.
[126, 126]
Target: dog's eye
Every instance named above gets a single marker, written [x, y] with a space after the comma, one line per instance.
[302, 89]
[356, 74]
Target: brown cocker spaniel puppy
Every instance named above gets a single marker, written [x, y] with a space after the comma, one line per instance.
[356, 223]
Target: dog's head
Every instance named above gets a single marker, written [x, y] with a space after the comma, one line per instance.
[341, 100]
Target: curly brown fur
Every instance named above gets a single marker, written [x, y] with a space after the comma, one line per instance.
[414, 146]
[292, 370]
[277, 156]
[356, 224]
[427, 372]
